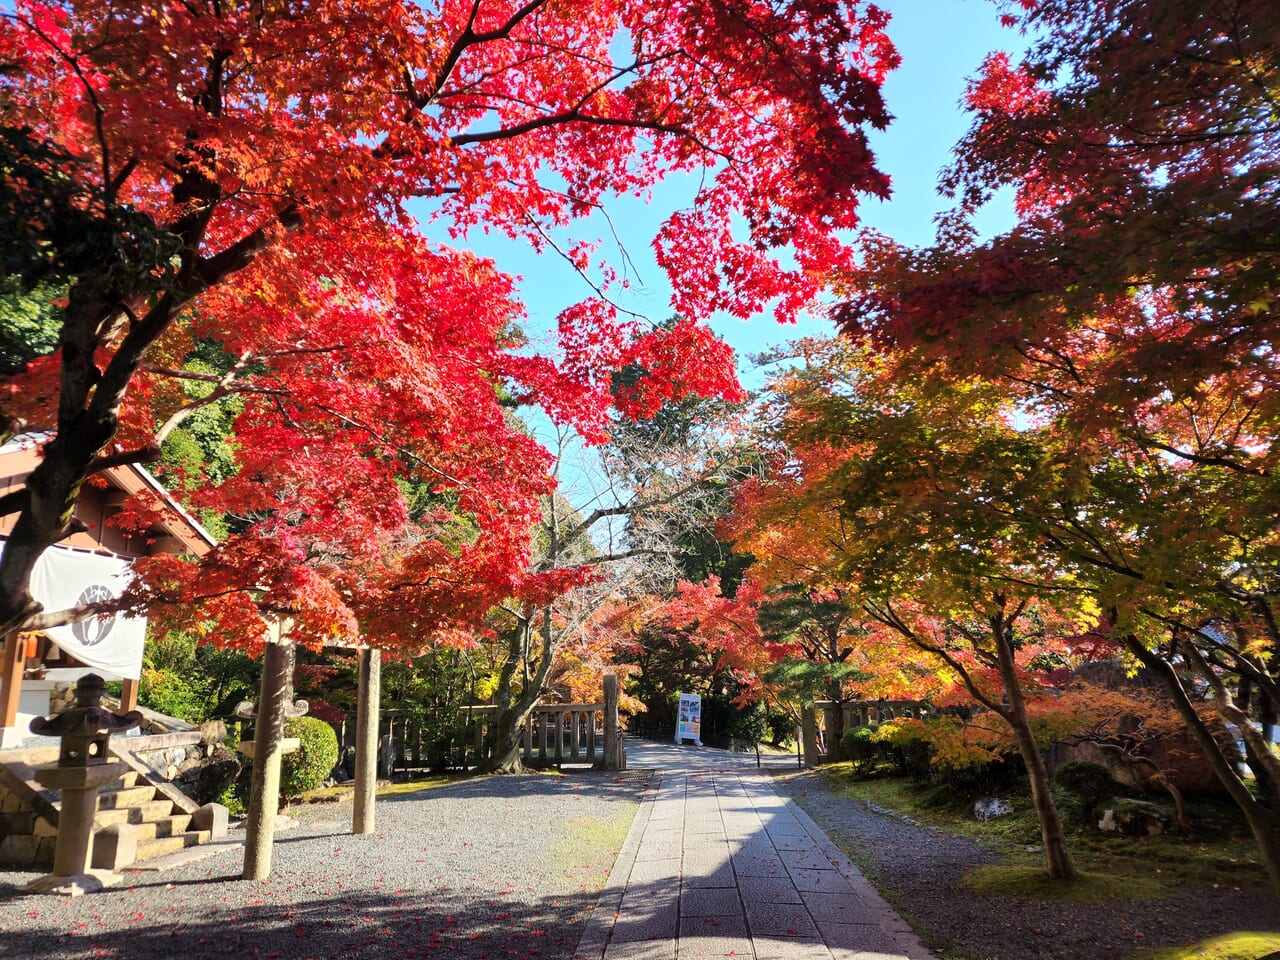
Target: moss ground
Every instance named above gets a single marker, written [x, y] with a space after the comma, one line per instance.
[1000, 880]
[589, 846]
[417, 786]
[1244, 945]
[1219, 853]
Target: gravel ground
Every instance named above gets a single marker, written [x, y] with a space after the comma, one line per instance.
[495, 867]
[919, 869]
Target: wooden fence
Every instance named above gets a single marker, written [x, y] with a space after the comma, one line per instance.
[554, 735]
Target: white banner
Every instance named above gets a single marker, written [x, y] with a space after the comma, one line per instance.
[68, 578]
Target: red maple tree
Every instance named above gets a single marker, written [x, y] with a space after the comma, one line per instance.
[237, 172]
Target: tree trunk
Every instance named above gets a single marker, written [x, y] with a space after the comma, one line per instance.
[367, 714]
[506, 727]
[1259, 750]
[1057, 857]
[506, 741]
[1179, 804]
[835, 722]
[1263, 823]
[264, 792]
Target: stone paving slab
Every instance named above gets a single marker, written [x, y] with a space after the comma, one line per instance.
[791, 950]
[768, 890]
[710, 902]
[718, 864]
[782, 920]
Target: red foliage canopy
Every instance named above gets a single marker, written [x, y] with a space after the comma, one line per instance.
[238, 172]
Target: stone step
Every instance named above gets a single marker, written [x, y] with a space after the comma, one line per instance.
[159, 846]
[126, 797]
[125, 781]
[152, 810]
[164, 827]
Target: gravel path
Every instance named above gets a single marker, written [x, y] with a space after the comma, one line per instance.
[919, 869]
[493, 868]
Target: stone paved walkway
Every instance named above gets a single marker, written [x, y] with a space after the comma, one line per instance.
[717, 864]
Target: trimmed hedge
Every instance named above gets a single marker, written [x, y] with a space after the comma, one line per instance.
[310, 765]
[856, 744]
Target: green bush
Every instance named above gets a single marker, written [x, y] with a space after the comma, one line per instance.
[1091, 782]
[912, 757]
[1006, 772]
[310, 765]
[750, 725]
[167, 692]
[856, 745]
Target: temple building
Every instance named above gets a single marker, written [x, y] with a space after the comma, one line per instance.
[91, 564]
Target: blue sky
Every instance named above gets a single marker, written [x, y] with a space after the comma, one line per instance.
[942, 42]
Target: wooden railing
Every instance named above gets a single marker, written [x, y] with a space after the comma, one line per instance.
[561, 733]
[555, 734]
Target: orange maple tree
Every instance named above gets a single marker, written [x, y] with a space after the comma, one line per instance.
[1131, 311]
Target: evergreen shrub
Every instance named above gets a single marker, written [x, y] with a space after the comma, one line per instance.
[309, 766]
[856, 744]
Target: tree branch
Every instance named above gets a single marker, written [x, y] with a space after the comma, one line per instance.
[147, 454]
[15, 501]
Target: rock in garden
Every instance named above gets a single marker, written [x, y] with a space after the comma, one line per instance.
[207, 781]
[1134, 818]
[988, 808]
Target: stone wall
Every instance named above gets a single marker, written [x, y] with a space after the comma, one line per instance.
[191, 768]
[28, 821]
[168, 755]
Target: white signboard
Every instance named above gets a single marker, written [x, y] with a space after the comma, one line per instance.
[689, 719]
[112, 644]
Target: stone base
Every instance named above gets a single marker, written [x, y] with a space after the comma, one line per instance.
[74, 886]
[115, 847]
[212, 817]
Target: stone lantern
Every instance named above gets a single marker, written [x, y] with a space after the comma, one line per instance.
[85, 730]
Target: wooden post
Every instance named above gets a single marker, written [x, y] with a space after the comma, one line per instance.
[264, 792]
[15, 661]
[368, 699]
[612, 737]
[575, 719]
[128, 694]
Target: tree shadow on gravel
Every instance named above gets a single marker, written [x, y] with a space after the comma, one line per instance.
[237, 919]
[463, 872]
